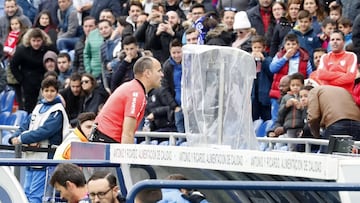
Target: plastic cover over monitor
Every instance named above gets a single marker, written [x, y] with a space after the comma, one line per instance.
[216, 96]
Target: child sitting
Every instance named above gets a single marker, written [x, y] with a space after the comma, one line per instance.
[345, 26]
[327, 27]
[290, 111]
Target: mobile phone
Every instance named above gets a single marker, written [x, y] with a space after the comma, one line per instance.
[165, 18]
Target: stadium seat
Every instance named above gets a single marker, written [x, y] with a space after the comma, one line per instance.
[269, 124]
[261, 130]
[164, 143]
[7, 101]
[21, 115]
[10, 119]
[3, 117]
[257, 123]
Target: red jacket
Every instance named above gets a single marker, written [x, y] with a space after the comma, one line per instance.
[338, 69]
[304, 58]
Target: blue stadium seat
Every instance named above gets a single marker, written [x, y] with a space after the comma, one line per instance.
[10, 119]
[21, 115]
[264, 128]
[3, 117]
[7, 101]
[164, 143]
[269, 124]
[257, 123]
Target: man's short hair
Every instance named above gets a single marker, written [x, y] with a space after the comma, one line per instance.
[175, 43]
[190, 30]
[75, 77]
[304, 14]
[88, 18]
[320, 49]
[143, 63]
[149, 195]
[50, 82]
[136, 3]
[197, 5]
[339, 32]
[111, 179]
[105, 20]
[64, 55]
[68, 172]
[292, 38]
[328, 21]
[129, 40]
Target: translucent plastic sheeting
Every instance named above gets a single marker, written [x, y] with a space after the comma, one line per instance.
[216, 96]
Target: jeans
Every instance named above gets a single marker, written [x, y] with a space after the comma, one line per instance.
[67, 44]
[274, 109]
[34, 185]
[179, 121]
[342, 127]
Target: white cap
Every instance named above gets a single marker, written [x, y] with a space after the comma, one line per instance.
[241, 21]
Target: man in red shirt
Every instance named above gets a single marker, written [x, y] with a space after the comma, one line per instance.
[124, 110]
[338, 67]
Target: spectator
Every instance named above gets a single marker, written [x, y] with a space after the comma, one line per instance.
[278, 10]
[317, 14]
[119, 124]
[191, 36]
[99, 5]
[173, 5]
[197, 11]
[29, 9]
[45, 127]
[80, 134]
[290, 111]
[158, 112]
[239, 5]
[261, 19]
[94, 40]
[288, 61]
[27, 65]
[73, 98]
[50, 61]
[106, 51]
[328, 113]
[227, 17]
[260, 100]
[94, 94]
[64, 66]
[83, 8]
[318, 52]
[69, 29]
[172, 83]
[185, 6]
[102, 187]
[306, 35]
[338, 67]
[70, 181]
[45, 22]
[135, 10]
[285, 24]
[335, 12]
[345, 26]
[89, 24]
[168, 30]
[11, 9]
[16, 32]
[327, 27]
[244, 32]
[52, 7]
[124, 72]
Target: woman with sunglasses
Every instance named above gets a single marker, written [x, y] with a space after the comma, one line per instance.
[285, 24]
[244, 31]
[94, 94]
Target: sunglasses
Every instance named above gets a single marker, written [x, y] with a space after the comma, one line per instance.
[230, 9]
[85, 81]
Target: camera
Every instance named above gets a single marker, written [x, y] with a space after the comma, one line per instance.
[165, 18]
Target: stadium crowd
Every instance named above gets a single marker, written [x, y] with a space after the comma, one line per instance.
[104, 53]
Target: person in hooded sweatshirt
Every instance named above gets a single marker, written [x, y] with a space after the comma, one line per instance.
[44, 127]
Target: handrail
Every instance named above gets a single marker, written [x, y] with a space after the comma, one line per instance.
[241, 185]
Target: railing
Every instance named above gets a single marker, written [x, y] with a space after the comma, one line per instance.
[172, 136]
[241, 185]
